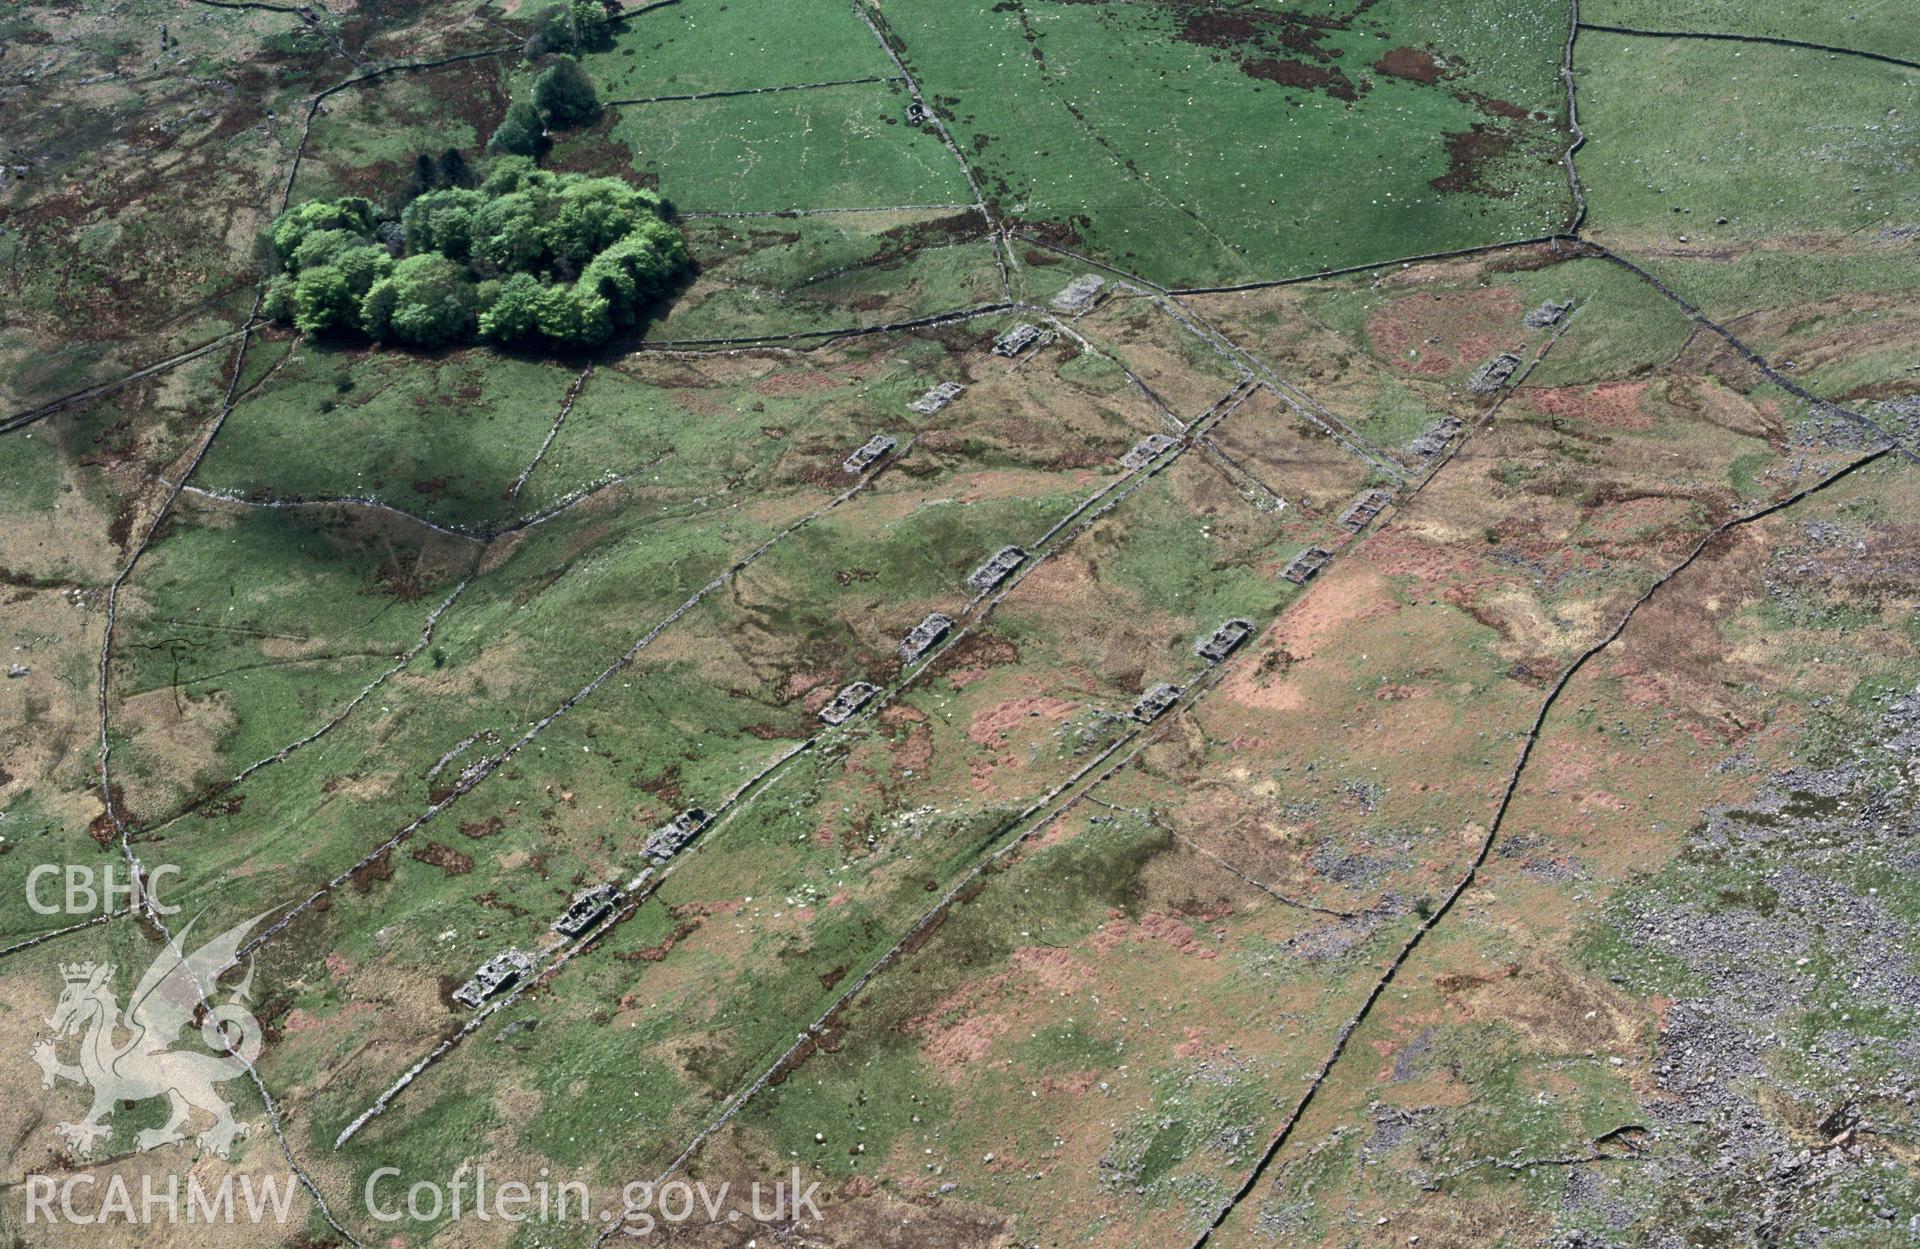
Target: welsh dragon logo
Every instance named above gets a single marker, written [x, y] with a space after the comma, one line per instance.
[144, 1065]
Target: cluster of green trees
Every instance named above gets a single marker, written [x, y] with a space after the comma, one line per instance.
[563, 97]
[528, 257]
[583, 24]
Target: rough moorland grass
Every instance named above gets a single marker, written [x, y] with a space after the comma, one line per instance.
[367, 137]
[1620, 327]
[268, 622]
[712, 432]
[621, 1085]
[592, 628]
[38, 835]
[1777, 141]
[850, 575]
[575, 594]
[1725, 288]
[31, 984]
[875, 1085]
[1172, 1124]
[817, 273]
[440, 436]
[721, 1008]
[1884, 26]
[1620, 324]
[620, 426]
[689, 48]
[30, 472]
[1169, 160]
[838, 147]
[519, 643]
[793, 253]
[121, 250]
[1195, 553]
[770, 851]
[143, 427]
[1853, 309]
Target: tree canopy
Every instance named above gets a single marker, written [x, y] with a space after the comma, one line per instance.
[568, 28]
[565, 96]
[528, 257]
[519, 131]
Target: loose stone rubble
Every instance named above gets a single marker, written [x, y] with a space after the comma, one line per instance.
[870, 451]
[1494, 374]
[1154, 703]
[937, 398]
[1147, 450]
[1016, 340]
[492, 976]
[670, 838]
[925, 634]
[1432, 440]
[1361, 511]
[1775, 1085]
[995, 570]
[1224, 640]
[848, 701]
[1306, 564]
[588, 907]
[1081, 294]
[1548, 314]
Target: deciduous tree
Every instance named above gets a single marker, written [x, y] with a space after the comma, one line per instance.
[519, 131]
[565, 96]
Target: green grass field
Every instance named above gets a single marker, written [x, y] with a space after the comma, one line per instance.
[329, 600]
[804, 274]
[689, 48]
[1779, 141]
[836, 147]
[442, 437]
[1884, 26]
[1149, 142]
